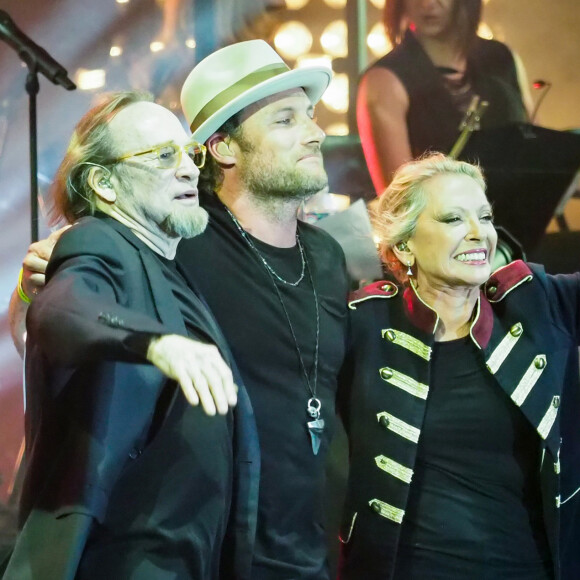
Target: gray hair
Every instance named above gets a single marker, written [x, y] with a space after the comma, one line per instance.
[90, 145]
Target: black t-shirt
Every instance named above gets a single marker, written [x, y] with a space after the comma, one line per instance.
[475, 507]
[290, 539]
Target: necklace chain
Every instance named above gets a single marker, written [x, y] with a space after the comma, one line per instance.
[263, 260]
[273, 277]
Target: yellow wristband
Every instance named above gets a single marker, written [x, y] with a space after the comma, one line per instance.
[20, 290]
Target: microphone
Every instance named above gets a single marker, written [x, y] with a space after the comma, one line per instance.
[30, 52]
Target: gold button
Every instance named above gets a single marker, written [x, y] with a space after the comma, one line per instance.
[376, 507]
[540, 362]
[491, 290]
[556, 401]
[384, 421]
[386, 373]
[390, 335]
[386, 287]
[516, 330]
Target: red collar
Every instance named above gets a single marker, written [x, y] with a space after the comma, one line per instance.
[500, 283]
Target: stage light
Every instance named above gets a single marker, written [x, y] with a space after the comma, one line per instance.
[485, 31]
[336, 96]
[115, 51]
[335, 129]
[156, 46]
[293, 39]
[190, 43]
[311, 59]
[122, 1]
[335, 3]
[334, 39]
[377, 40]
[296, 4]
[380, 4]
[339, 201]
[88, 80]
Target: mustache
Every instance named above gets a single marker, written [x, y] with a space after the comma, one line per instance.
[313, 148]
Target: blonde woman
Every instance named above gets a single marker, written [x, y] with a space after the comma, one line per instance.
[463, 398]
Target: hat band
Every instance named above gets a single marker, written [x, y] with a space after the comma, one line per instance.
[235, 90]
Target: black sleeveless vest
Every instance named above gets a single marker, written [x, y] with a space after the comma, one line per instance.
[432, 119]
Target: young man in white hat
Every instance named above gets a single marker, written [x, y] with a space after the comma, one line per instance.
[276, 286]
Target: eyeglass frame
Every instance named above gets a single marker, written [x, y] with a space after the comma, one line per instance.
[180, 148]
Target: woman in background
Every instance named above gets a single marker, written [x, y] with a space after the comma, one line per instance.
[413, 99]
[461, 398]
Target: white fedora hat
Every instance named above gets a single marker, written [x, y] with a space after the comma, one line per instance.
[238, 75]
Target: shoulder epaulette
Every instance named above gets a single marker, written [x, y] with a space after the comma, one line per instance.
[506, 279]
[380, 289]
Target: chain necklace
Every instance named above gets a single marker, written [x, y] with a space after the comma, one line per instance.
[314, 405]
[271, 270]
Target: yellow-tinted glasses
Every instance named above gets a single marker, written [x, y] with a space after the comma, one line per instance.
[168, 155]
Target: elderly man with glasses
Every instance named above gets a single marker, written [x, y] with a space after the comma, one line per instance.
[132, 442]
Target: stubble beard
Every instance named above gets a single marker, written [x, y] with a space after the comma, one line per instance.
[286, 185]
[271, 185]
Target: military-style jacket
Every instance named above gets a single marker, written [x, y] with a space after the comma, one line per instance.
[527, 327]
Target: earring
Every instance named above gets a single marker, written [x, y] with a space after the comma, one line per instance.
[409, 271]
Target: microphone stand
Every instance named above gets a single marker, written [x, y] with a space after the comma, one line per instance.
[32, 88]
[38, 61]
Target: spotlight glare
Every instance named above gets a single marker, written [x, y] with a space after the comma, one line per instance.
[311, 59]
[377, 40]
[380, 4]
[296, 4]
[293, 39]
[334, 39]
[340, 128]
[485, 31]
[115, 51]
[335, 3]
[336, 96]
[88, 80]
[339, 201]
[190, 43]
[122, 1]
[156, 46]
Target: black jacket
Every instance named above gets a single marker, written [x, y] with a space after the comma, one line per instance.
[94, 404]
[527, 328]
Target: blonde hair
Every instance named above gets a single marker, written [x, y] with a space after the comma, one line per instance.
[400, 206]
[90, 145]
